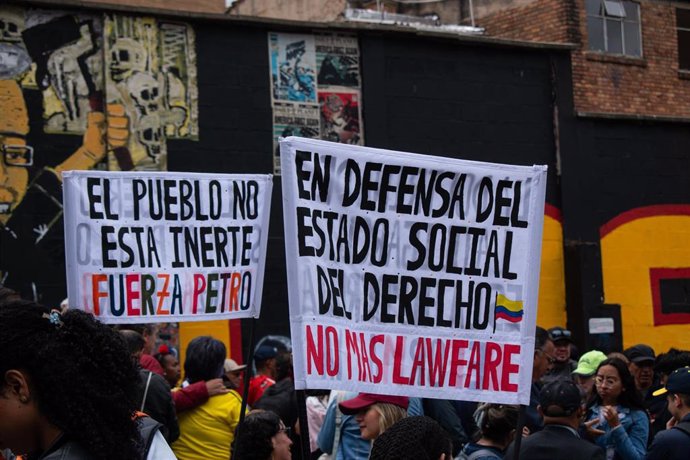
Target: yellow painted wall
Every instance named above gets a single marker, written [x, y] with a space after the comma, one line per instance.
[627, 253]
[217, 329]
[551, 308]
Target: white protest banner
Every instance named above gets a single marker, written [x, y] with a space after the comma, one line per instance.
[166, 246]
[411, 274]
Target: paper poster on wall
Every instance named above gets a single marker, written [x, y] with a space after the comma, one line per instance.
[322, 69]
[166, 247]
[300, 120]
[411, 274]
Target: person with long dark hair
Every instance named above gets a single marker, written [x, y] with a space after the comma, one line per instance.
[616, 417]
[207, 431]
[263, 436]
[68, 387]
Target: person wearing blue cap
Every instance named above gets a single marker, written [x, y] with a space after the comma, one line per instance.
[674, 442]
[265, 361]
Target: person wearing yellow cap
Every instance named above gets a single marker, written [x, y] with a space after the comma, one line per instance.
[674, 442]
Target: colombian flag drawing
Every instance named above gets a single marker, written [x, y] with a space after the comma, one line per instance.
[509, 310]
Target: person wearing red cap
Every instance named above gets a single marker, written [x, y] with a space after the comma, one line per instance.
[375, 413]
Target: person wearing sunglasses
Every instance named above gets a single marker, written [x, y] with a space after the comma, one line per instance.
[262, 435]
[563, 366]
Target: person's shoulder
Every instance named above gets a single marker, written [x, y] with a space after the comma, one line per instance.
[68, 451]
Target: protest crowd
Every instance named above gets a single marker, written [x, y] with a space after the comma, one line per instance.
[74, 388]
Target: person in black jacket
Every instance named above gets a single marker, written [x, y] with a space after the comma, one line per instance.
[674, 442]
[560, 403]
[155, 399]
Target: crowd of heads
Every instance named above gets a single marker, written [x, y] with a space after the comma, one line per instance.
[56, 384]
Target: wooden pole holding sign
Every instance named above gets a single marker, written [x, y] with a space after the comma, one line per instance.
[245, 392]
[303, 424]
[518, 432]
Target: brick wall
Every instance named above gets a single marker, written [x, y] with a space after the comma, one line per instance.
[541, 20]
[648, 86]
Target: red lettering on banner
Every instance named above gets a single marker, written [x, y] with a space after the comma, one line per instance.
[163, 294]
[350, 347]
[375, 340]
[132, 294]
[492, 358]
[473, 366]
[456, 361]
[397, 366]
[199, 288]
[332, 350]
[509, 368]
[418, 363]
[96, 293]
[315, 350]
[364, 371]
[233, 300]
[437, 366]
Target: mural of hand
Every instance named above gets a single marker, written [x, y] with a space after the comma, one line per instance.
[118, 126]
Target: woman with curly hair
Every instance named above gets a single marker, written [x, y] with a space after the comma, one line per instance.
[263, 436]
[67, 386]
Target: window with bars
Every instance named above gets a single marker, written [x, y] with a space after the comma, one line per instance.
[613, 26]
[683, 27]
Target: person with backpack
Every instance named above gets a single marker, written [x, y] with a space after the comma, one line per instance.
[497, 424]
[674, 442]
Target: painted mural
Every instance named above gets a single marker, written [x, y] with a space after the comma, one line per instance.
[150, 70]
[646, 269]
[56, 59]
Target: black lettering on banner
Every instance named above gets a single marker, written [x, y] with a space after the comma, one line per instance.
[443, 193]
[330, 290]
[246, 292]
[138, 194]
[515, 212]
[406, 189]
[104, 199]
[424, 193]
[320, 175]
[107, 246]
[485, 193]
[475, 232]
[369, 185]
[386, 186]
[246, 245]
[352, 179]
[303, 232]
[169, 199]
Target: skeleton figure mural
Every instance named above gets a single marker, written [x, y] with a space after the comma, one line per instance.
[150, 70]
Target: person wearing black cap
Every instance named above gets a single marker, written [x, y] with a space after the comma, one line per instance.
[560, 403]
[264, 359]
[641, 366]
[674, 442]
[563, 366]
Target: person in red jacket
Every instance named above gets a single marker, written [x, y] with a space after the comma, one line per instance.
[265, 359]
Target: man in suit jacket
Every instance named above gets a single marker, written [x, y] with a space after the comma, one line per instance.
[560, 404]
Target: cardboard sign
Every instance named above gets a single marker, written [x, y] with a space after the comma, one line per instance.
[160, 247]
[411, 274]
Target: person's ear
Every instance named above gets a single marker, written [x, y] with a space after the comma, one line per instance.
[17, 384]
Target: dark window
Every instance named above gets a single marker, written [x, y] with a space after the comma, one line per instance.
[613, 26]
[675, 295]
[683, 26]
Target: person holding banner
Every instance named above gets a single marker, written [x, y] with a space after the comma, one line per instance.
[544, 359]
[616, 418]
[375, 413]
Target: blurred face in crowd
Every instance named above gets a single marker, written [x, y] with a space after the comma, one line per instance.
[368, 420]
[171, 367]
[608, 384]
[281, 445]
[585, 382]
[562, 351]
[643, 372]
[235, 377]
[543, 360]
